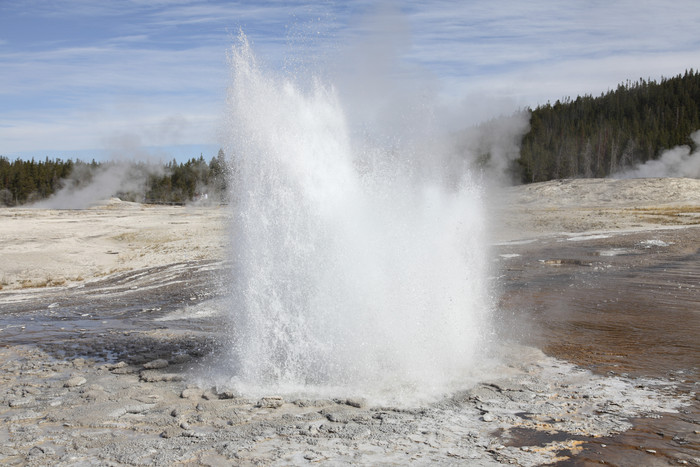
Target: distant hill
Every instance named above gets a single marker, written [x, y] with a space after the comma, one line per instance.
[598, 136]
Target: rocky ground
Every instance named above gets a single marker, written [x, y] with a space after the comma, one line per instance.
[107, 362]
[79, 411]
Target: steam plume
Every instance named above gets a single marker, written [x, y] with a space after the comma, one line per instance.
[680, 161]
[88, 185]
[127, 172]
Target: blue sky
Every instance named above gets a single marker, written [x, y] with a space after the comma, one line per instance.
[138, 78]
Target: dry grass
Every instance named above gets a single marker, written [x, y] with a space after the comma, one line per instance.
[47, 282]
[31, 284]
[674, 215]
[125, 237]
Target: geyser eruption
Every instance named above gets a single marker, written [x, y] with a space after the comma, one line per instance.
[358, 269]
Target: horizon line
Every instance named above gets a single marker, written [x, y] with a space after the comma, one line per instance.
[179, 152]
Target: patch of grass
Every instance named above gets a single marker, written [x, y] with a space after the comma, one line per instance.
[30, 284]
[675, 215]
[125, 237]
[56, 282]
[47, 282]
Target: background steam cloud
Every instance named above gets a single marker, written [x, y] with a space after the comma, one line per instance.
[391, 101]
[680, 161]
[127, 172]
[88, 185]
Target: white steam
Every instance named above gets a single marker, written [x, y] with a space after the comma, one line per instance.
[681, 162]
[127, 171]
[390, 101]
[492, 147]
[88, 185]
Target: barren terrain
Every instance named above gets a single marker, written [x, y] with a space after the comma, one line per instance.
[111, 320]
[46, 247]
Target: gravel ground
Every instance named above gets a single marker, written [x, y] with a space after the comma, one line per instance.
[111, 322]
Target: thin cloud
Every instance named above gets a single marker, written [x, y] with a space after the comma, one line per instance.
[88, 70]
[540, 51]
[166, 58]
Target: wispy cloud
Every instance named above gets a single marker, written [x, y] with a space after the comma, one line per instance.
[523, 42]
[75, 70]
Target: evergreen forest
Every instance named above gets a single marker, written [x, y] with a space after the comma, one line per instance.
[598, 136]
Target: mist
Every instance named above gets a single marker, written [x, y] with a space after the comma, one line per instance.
[88, 185]
[129, 167]
[393, 102]
[680, 162]
[492, 147]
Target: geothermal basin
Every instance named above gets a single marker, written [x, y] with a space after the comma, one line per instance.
[114, 325]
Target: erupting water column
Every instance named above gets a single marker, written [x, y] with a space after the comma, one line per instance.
[355, 272]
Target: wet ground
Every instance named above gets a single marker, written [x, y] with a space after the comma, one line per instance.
[79, 361]
[624, 304]
[68, 321]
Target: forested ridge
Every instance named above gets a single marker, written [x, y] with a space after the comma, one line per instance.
[598, 136]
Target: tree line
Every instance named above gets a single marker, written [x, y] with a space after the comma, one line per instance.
[28, 181]
[598, 136]
[189, 181]
[581, 138]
